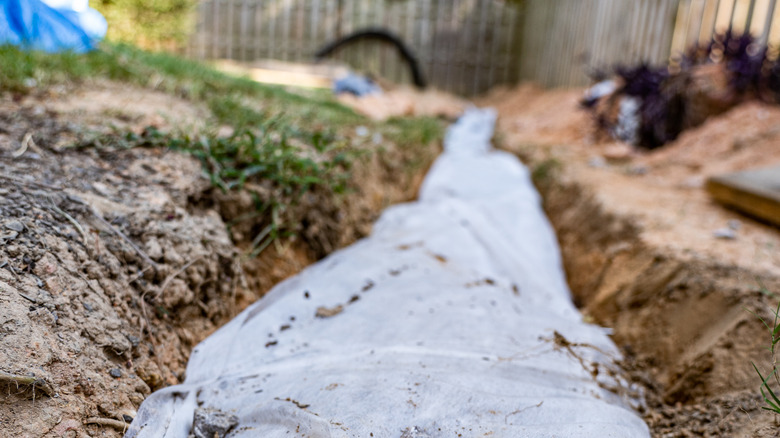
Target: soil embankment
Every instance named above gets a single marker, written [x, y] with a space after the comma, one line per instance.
[639, 236]
[115, 262]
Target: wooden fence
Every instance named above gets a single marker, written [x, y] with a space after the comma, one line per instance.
[566, 40]
[698, 20]
[463, 46]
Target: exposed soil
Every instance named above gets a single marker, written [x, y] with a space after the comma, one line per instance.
[637, 235]
[114, 263]
[405, 102]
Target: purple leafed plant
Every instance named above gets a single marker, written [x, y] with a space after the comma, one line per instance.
[664, 101]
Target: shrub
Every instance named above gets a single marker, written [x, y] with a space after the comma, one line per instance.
[151, 24]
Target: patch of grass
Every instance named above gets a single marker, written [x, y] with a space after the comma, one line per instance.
[767, 393]
[246, 155]
[275, 165]
[226, 95]
[543, 171]
[409, 132]
[230, 110]
[412, 135]
[285, 144]
[154, 24]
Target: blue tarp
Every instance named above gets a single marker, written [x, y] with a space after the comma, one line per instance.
[355, 84]
[33, 25]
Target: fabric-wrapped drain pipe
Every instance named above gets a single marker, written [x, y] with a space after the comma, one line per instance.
[452, 319]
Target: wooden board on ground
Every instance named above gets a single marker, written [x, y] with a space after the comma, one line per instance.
[285, 73]
[754, 192]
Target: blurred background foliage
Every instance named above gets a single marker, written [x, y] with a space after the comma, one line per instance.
[150, 24]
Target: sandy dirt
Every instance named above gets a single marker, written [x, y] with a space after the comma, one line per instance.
[401, 101]
[638, 235]
[115, 262]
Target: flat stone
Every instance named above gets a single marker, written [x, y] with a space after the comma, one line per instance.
[15, 226]
[211, 422]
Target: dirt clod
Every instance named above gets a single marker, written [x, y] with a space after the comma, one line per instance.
[327, 312]
[211, 422]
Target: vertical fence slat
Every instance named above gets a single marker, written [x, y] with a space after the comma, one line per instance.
[578, 76]
[695, 22]
[709, 15]
[230, 15]
[547, 60]
[257, 29]
[764, 39]
[572, 15]
[508, 44]
[271, 13]
[598, 40]
[636, 33]
[733, 14]
[666, 30]
[749, 15]
[215, 29]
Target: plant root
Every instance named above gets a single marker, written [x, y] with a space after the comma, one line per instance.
[110, 422]
[31, 381]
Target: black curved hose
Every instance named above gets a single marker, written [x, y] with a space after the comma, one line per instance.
[381, 35]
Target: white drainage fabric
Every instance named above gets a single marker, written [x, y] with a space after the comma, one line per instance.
[448, 311]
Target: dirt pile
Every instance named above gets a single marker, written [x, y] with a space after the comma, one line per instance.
[115, 262]
[642, 253]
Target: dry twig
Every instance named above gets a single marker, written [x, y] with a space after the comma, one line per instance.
[27, 141]
[70, 219]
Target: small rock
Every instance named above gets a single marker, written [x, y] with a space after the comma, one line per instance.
[734, 224]
[415, 432]
[15, 226]
[725, 233]
[597, 162]
[694, 182]
[154, 250]
[134, 340]
[361, 131]
[638, 170]
[618, 152]
[11, 235]
[115, 373]
[101, 189]
[211, 422]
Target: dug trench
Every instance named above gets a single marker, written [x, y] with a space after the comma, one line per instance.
[684, 323]
[86, 317]
[636, 235]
